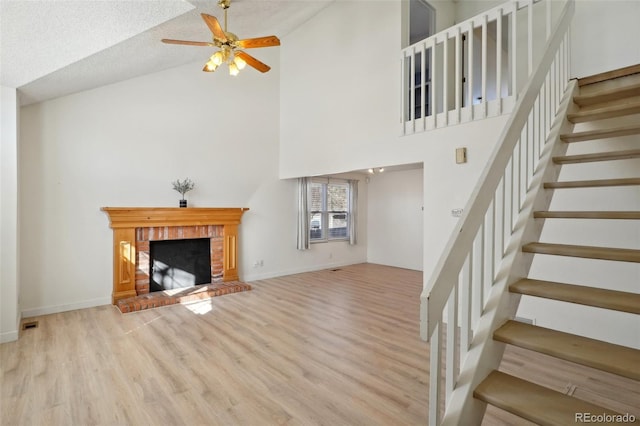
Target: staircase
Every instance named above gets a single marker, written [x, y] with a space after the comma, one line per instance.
[607, 133]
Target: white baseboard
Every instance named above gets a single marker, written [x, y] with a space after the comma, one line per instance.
[46, 310]
[13, 335]
[266, 275]
[9, 336]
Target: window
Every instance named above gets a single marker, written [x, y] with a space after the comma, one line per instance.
[329, 210]
[419, 23]
[422, 21]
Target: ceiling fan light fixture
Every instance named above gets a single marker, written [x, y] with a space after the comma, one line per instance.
[233, 69]
[210, 66]
[217, 58]
[240, 63]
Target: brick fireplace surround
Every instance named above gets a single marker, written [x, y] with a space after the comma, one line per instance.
[133, 229]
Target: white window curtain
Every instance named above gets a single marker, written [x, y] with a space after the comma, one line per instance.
[353, 216]
[303, 214]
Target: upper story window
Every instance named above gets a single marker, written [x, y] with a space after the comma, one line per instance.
[420, 21]
[329, 210]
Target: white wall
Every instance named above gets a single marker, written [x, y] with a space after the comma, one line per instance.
[395, 219]
[339, 87]
[445, 13]
[9, 243]
[344, 114]
[123, 145]
[604, 36]
[466, 9]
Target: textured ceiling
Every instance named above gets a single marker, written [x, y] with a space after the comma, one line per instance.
[51, 48]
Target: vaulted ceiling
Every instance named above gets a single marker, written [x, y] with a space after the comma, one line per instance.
[50, 48]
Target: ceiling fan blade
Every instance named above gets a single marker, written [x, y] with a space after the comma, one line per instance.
[250, 43]
[189, 43]
[214, 26]
[250, 60]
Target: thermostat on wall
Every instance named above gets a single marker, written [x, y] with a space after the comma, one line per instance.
[461, 155]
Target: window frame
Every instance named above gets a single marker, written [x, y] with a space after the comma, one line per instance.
[324, 213]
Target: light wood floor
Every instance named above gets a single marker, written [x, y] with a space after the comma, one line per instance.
[329, 347]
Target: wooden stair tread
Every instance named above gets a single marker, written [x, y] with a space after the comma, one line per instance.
[590, 296]
[586, 215]
[609, 75]
[618, 110]
[608, 95]
[601, 133]
[599, 156]
[533, 402]
[592, 183]
[603, 253]
[593, 353]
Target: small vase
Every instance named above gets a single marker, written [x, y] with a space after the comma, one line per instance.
[183, 203]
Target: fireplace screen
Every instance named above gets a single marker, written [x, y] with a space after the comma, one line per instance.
[179, 263]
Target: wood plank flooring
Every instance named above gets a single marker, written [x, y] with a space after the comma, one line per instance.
[328, 347]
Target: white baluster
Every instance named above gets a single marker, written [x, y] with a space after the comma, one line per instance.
[413, 89]
[499, 60]
[514, 52]
[548, 5]
[465, 306]
[530, 38]
[403, 93]
[445, 79]
[423, 85]
[484, 66]
[470, 69]
[491, 242]
[451, 366]
[458, 74]
[435, 375]
[434, 85]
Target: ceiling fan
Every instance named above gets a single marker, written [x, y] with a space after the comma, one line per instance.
[229, 45]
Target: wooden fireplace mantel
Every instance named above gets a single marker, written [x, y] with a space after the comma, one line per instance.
[125, 220]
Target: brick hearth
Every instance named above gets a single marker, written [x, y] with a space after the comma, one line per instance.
[184, 295]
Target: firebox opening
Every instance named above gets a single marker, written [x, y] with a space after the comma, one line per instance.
[179, 263]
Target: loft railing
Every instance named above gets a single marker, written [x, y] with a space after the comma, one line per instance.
[481, 257]
[474, 69]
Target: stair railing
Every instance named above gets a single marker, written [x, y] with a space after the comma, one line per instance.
[479, 253]
[473, 69]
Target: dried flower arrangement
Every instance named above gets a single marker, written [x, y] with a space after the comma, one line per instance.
[184, 186]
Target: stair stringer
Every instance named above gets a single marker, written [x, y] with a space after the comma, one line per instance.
[485, 354]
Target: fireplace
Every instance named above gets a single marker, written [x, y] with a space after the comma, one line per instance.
[177, 264]
[136, 229]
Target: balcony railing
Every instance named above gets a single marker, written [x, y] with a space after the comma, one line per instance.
[474, 69]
